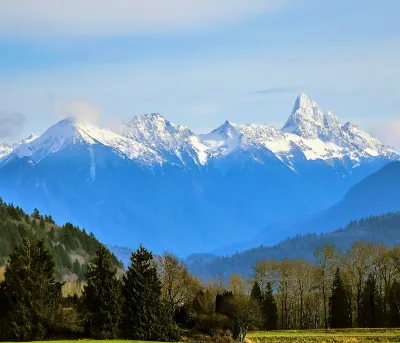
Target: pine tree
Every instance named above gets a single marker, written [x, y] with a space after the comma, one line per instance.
[394, 305]
[256, 293]
[257, 296]
[101, 297]
[144, 316]
[339, 304]
[371, 305]
[269, 309]
[30, 293]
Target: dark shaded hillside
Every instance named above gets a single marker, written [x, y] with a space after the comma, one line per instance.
[377, 194]
[71, 246]
[379, 229]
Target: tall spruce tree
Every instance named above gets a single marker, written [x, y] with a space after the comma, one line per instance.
[30, 294]
[371, 305]
[394, 305]
[340, 314]
[269, 309]
[101, 297]
[256, 293]
[145, 317]
[257, 296]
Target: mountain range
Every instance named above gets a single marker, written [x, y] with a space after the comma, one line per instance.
[160, 184]
[383, 229]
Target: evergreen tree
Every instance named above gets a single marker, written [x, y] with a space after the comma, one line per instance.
[36, 214]
[30, 294]
[394, 305]
[256, 293]
[257, 296]
[371, 305]
[269, 309]
[101, 297]
[340, 315]
[144, 315]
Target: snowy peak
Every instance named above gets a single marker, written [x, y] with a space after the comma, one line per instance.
[306, 119]
[154, 129]
[228, 130]
[306, 108]
[71, 132]
[223, 140]
[150, 139]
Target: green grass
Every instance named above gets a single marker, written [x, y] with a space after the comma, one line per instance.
[302, 336]
[327, 336]
[94, 341]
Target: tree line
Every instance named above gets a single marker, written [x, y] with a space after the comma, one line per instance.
[157, 299]
[359, 288]
[63, 242]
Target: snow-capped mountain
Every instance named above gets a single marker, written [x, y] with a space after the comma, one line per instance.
[151, 140]
[161, 184]
[70, 132]
[5, 149]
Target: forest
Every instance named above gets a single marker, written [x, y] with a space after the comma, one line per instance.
[70, 246]
[382, 229]
[157, 299]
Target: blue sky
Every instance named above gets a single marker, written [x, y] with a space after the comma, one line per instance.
[198, 63]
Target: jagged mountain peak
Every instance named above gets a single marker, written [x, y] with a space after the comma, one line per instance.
[153, 126]
[304, 101]
[226, 130]
[305, 118]
[150, 137]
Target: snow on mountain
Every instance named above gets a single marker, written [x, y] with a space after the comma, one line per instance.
[5, 149]
[176, 144]
[308, 131]
[70, 132]
[28, 139]
[150, 139]
[221, 141]
[161, 184]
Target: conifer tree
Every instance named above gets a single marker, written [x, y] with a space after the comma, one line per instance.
[257, 296]
[144, 315]
[101, 297]
[371, 305]
[256, 293]
[30, 294]
[340, 315]
[269, 309]
[394, 305]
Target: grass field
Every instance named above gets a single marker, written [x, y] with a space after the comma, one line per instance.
[304, 336]
[327, 336]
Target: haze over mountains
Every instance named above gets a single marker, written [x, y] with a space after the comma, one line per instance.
[161, 184]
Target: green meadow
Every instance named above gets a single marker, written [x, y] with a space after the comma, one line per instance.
[326, 336]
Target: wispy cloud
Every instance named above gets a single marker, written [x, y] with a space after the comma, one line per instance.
[277, 90]
[83, 111]
[105, 17]
[11, 124]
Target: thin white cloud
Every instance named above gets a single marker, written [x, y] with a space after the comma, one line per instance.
[108, 17]
[82, 110]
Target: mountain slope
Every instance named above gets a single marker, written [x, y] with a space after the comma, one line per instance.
[377, 194]
[71, 247]
[380, 229]
[160, 184]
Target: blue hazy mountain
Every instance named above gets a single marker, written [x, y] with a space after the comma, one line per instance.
[160, 184]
